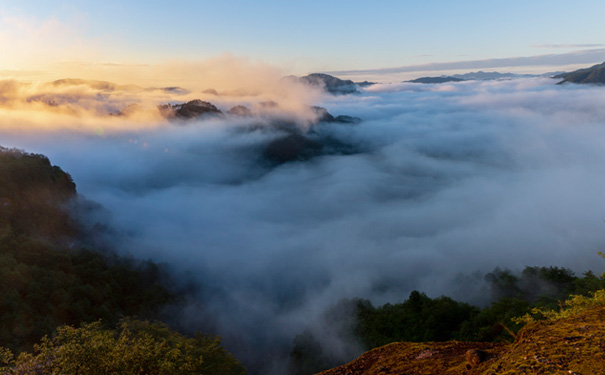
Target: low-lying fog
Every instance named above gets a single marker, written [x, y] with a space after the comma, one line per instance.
[437, 181]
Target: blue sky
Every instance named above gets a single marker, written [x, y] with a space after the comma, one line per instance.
[310, 35]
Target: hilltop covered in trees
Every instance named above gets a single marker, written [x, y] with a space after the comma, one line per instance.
[50, 278]
[423, 319]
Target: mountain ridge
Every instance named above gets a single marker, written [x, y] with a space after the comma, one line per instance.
[594, 74]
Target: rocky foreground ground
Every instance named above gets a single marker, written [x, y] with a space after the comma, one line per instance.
[573, 345]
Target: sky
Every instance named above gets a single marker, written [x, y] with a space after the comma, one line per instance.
[356, 38]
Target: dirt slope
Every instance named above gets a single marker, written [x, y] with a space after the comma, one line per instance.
[574, 345]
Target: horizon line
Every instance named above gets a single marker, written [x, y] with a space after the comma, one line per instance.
[589, 56]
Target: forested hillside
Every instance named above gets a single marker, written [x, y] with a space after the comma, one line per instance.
[89, 301]
[566, 342]
[48, 278]
[423, 319]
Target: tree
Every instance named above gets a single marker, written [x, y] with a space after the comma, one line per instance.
[135, 347]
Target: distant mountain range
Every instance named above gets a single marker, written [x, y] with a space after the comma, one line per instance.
[595, 75]
[336, 86]
[442, 79]
[484, 76]
[478, 76]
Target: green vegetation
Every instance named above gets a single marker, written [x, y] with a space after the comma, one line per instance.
[46, 281]
[576, 304]
[568, 341]
[564, 341]
[33, 198]
[418, 319]
[50, 283]
[136, 347]
[43, 287]
[423, 319]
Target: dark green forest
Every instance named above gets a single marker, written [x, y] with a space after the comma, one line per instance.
[51, 281]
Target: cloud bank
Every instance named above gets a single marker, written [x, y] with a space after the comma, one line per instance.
[585, 56]
[448, 179]
[92, 106]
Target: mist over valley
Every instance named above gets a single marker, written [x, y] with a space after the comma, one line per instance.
[301, 198]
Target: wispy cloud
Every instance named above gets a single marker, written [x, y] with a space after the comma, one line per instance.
[562, 46]
[86, 105]
[32, 42]
[587, 56]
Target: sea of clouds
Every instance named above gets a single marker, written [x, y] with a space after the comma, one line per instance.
[446, 180]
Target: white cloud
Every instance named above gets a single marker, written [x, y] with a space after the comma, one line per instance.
[453, 178]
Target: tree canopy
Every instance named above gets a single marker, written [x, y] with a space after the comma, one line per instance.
[135, 347]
